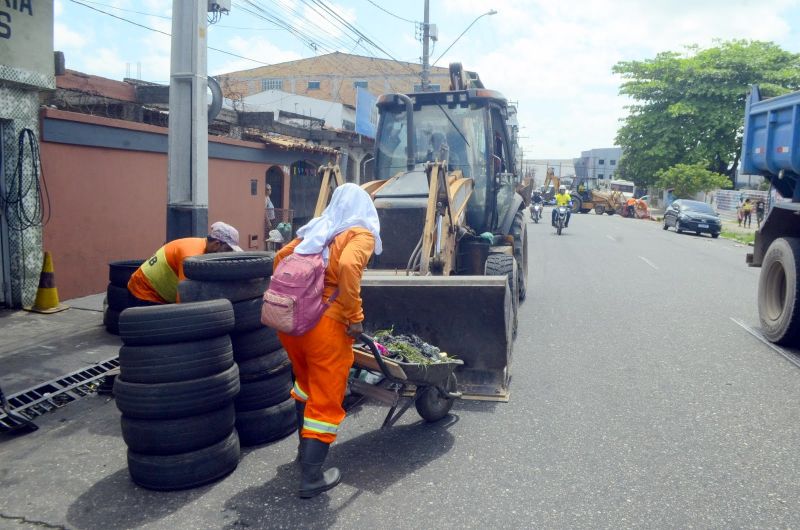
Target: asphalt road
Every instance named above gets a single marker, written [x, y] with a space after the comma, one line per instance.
[639, 399]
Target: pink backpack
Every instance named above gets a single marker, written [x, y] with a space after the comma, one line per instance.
[293, 302]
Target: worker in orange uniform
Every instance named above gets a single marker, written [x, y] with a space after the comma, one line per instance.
[156, 280]
[347, 232]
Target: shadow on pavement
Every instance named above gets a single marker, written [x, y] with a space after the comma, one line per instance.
[372, 462]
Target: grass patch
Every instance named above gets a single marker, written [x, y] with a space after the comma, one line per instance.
[746, 239]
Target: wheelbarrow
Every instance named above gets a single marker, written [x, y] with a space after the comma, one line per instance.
[431, 388]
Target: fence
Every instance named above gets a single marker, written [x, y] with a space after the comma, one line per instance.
[727, 202]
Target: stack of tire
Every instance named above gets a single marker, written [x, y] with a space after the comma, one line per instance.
[118, 297]
[265, 412]
[175, 390]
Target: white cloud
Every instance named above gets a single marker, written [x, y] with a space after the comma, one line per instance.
[58, 8]
[257, 48]
[66, 39]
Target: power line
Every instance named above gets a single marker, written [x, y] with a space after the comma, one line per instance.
[164, 32]
[392, 14]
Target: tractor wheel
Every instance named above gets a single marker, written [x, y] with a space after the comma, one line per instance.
[519, 232]
[577, 204]
[505, 265]
[599, 209]
[586, 210]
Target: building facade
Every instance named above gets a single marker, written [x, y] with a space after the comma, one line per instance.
[601, 163]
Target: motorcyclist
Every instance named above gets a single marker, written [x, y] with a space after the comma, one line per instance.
[562, 199]
[537, 198]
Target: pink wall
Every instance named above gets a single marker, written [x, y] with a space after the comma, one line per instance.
[110, 204]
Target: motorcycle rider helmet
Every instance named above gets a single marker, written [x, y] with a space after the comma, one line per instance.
[562, 188]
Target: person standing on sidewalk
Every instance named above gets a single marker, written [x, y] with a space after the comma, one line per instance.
[747, 211]
[347, 233]
[759, 213]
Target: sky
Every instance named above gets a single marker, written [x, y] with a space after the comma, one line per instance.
[554, 58]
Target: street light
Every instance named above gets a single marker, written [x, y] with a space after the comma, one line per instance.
[490, 12]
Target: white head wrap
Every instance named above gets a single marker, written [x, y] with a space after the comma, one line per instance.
[350, 207]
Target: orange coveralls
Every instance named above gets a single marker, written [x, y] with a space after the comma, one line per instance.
[169, 273]
[321, 359]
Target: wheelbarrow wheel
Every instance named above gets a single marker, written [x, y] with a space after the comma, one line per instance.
[431, 405]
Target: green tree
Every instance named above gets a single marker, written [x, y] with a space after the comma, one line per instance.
[689, 107]
[689, 179]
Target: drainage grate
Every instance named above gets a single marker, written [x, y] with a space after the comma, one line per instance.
[56, 393]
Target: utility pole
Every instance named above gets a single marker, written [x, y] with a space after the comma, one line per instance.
[426, 34]
[187, 181]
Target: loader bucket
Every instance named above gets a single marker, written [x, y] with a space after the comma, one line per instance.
[469, 317]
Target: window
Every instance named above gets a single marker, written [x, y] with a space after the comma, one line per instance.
[271, 84]
[361, 84]
[600, 176]
[433, 87]
[313, 85]
[601, 162]
[613, 162]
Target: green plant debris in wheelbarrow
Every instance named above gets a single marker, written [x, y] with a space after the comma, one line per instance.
[409, 348]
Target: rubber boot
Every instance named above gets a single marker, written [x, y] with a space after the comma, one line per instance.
[300, 410]
[313, 481]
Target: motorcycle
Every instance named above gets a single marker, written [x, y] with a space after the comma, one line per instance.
[536, 212]
[561, 218]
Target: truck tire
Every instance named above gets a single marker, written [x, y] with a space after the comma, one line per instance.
[599, 209]
[256, 427]
[265, 392]
[252, 344]
[182, 435]
[167, 363]
[169, 323]
[779, 292]
[505, 265]
[519, 232]
[263, 366]
[232, 290]
[431, 405]
[111, 320]
[247, 315]
[185, 470]
[226, 266]
[119, 272]
[164, 401]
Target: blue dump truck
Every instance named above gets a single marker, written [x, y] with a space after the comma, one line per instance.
[771, 148]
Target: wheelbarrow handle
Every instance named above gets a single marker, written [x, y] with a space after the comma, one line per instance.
[370, 342]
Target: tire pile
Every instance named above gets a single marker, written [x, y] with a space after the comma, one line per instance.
[117, 295]
[265, 412]
[176, 389]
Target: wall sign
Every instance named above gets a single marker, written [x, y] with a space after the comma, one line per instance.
[26, 42]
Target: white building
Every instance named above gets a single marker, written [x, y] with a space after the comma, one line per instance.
[300, 111]
[598, 163]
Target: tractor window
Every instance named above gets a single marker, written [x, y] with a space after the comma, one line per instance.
[501, 155]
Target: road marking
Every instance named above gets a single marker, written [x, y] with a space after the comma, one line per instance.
[648, 262]
[612, 238]
[786, 355]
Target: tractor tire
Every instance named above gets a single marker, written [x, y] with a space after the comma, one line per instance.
[505, 265]
[164, 401]
[779, 292]
[168, 363]
[263, 366]
[264, 392]
[119, 272]
[182, 435]
[577, 204]
[586, 210]
[256, 427]
[169, 323]
[232, 290]
[252, 344]
[226, 266]
[185, 470]
[431, 405]
[519, 232]
[599, 209]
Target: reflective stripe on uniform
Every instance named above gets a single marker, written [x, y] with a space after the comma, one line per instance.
[319, 426]
[299, 392]
[161, 276]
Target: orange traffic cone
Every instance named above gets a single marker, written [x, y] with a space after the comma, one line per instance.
[47, 294]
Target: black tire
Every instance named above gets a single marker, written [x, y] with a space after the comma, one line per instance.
[558, 228]
[235, 290]
[505, 265]
[256, 427]
[599, 209]
[166, 324]
[577, 204]
[678, 227]
[586, 210]
[263, 366]
[265, 392]
[665, 227]
[185, 470]
[715, 236]
[111, 320]
[120, 298]
[166, 363]
[779, 292]
[182, 435]
[162, 401]
[225, 266]
[431, 405]
[119, 272]
[519, 232]
[610, 212]
[252, 344]
[247, 315]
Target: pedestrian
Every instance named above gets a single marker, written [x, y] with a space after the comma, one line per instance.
[270, 209]
[747, 211]
[759, 213]
[156, 280]
[348, 233]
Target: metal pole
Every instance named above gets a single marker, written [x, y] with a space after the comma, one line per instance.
[426, 33]
[187, 181]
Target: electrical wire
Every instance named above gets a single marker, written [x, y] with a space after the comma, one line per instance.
[33, 214]
[392, 14]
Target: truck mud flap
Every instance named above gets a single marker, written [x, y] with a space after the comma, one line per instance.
[469, 317]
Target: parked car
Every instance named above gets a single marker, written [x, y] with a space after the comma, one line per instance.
[692, 216]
